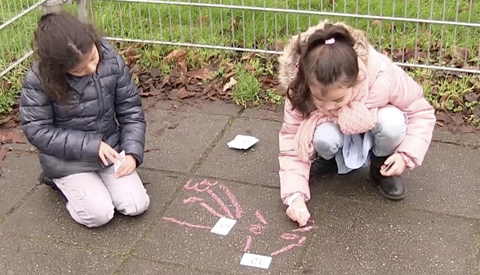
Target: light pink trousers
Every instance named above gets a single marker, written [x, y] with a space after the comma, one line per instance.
[93, 197]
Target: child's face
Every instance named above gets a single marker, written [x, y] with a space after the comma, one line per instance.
[88, 65]
[334, 99]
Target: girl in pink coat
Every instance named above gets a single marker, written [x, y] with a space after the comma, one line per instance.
[347, 105]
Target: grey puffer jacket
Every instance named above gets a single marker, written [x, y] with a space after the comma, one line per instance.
[103, 107]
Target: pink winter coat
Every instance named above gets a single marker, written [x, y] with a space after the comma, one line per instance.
[387, 85]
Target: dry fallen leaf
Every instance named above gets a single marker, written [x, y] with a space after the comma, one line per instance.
[230, 84]
[183, 93]
[154, 72]
[467, 129]
[131, 54]
[200, 73]
[176, 55]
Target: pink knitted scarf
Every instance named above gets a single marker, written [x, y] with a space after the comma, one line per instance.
[353, 118]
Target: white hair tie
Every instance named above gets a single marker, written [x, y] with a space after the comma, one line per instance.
[330, 41]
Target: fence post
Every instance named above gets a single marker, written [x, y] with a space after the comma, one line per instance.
[85, 10]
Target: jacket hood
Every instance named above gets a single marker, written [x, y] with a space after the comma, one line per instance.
[289, 59]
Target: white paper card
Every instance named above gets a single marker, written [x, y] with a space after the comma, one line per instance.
[223, 226]
[255, 260]
[242, 142]
[118, 164]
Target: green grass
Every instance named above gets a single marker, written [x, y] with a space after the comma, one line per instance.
[262, 30]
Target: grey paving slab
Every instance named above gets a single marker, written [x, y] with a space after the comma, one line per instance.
[263, 114]
[21, 256]
[136, 266]
[361, 238]
[444, 135]
[44, 215]
[259, 165]
[176, 140]
[446, 183]
[205, 107]
[184, 236]
[18, 177]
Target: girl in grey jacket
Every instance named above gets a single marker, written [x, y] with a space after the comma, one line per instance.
[79, 107]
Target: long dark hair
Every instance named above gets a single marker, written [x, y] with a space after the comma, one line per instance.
[328, 64]
[60, 43]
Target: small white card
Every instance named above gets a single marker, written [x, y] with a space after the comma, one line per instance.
[118, 164]
[242, 142]
[223, 226]
[255, 260]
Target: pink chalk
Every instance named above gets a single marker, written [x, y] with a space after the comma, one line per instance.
[192, 200]
[288, 236]
[260, 217]
[204, 183]
[289, 247]
[256, 229]
[233, 200]
[304, 229]
[185, 223]
[220, 202]
[248, 244]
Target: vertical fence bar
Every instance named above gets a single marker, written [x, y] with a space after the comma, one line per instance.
[84, 10]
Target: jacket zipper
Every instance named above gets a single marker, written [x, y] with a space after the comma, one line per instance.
[100, 102]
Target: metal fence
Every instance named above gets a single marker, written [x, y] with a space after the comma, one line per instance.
[434, 34]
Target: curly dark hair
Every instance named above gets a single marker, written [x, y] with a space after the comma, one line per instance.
[60, 44]
[328, 64]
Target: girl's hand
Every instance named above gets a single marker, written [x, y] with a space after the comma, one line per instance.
[128, 166]
[107, 153]
[396, 168]
[298, 211]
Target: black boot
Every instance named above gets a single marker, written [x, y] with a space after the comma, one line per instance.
[390, 187]
[321, 166]
[47, 181]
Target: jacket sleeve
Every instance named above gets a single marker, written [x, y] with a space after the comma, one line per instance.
[129, 113]
[294, 173]
[407, 95]
[37, 119]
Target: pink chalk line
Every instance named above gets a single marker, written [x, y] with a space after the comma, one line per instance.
[256, 229]
[185, 223]
[208, 184]
[204, 205]
[260, 217]
[220, 202]
[304, 229]
[288, 236]
[289, 247]
[248, 244]
[233, 200]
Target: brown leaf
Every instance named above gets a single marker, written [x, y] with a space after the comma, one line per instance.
[376, 23]
[471, 97]
[441, 116]
[458, 120]
[249, 67]
[476, 111]
[176, 55]
[229, 85]
[200, 73]
[203, 19]
[173, 125]
[154, 72]
[183, 93]
[183, 66]
[131, 54]
[463, 53]
[467, 129]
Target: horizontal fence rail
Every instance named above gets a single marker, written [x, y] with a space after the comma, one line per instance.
[18, 18]
[431, 34]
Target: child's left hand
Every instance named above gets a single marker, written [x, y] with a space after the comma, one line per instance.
[127, 167]
[396, 169]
